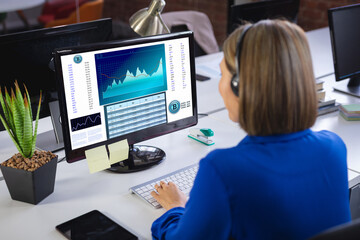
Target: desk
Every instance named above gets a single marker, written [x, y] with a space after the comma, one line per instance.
[208, 96]
[77, 191]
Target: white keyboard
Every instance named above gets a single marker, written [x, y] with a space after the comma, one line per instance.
[183, 178]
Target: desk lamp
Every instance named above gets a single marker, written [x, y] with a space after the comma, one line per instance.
[148, 21]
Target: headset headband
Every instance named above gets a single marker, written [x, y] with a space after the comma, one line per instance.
[235, 79]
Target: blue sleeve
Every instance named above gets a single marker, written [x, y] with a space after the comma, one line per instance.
[206, 214]
[167, 221]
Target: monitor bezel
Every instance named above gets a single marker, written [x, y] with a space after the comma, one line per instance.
[73, 155]
[22, 40]
[53, 31]
[43, 35]
[331, 11]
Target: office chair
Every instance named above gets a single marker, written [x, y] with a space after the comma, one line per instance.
[199, 23]
[57, 9]
[198, 51]
[256, 11]
[348, 231]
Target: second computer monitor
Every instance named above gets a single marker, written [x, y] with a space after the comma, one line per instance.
[344, 23]
[26, 56]
[253, 12]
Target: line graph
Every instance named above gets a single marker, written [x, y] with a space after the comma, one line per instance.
[144, 74]
[85, 122]
[130, 73]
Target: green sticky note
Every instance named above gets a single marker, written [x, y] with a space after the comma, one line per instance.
[97, 159]
[119, 151]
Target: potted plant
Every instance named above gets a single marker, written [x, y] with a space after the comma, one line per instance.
[29, 174]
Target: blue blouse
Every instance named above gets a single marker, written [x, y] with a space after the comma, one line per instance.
[288, 186]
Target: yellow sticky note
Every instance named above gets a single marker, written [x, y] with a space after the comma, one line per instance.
[97, 159]
[119, 151]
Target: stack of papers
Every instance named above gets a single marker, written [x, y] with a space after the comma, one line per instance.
[350, 112]
[327, 105]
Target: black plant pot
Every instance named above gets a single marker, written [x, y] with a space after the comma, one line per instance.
[30, 187]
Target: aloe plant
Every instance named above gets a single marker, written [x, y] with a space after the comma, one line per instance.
[18, 120]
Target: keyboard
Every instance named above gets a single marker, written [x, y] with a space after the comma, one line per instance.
[183, 178]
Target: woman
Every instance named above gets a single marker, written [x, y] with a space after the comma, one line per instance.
[282, 181]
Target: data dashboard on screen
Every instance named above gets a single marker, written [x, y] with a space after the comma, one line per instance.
[130, 89]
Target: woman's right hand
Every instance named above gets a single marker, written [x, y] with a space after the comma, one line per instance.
[169, 195]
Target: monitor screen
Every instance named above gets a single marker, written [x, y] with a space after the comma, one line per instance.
[135, 89]
[344, 24]
[258, 10]
[26, 56]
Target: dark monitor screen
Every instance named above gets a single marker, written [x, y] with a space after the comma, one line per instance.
[256, 11]
[344, 24]
[26, 56]
[136, 89]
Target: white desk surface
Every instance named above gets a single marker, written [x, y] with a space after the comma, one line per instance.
[13, 5]
[340, 97]
[77, 191]
[208, 96]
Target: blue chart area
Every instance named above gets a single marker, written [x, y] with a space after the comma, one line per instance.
[130, 73]
[85, 122]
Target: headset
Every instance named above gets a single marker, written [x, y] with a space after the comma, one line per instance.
[235, 78]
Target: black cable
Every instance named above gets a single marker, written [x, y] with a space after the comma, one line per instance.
[61, 159]
[325, 75]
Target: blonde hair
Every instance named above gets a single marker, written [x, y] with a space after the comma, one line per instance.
[276, 80]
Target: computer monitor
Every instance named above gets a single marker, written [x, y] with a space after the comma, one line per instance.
[26, 58]
[135, 89]
[256, 11]
[344, 24]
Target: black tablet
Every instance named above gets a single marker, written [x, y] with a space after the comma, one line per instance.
[94, 225]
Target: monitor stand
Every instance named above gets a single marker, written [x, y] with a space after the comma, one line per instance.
[351, 87]
[52, 140]
[140, 158]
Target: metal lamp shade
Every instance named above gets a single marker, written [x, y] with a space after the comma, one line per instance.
[148, 21]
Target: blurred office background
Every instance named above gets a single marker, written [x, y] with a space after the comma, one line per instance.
[312, 13]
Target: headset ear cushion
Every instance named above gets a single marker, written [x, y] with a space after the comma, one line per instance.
[235, 84]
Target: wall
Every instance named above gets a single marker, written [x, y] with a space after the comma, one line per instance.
[312, 13]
